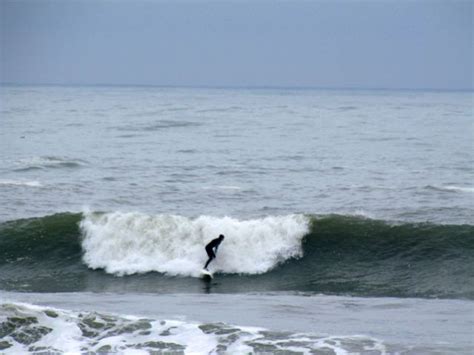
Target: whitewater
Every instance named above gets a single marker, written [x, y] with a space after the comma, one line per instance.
[132, 243]
[347, 216]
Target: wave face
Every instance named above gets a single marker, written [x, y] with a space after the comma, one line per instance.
[329, 254]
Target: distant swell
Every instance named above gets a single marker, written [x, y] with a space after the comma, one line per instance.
[48, 162]
[452, 188]
[329, 254]
[33, 183]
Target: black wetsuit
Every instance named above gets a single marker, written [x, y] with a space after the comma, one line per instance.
[210, 249]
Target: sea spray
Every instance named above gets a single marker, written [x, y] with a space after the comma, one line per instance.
[129, 243]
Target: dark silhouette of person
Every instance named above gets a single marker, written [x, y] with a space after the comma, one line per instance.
[211, 249]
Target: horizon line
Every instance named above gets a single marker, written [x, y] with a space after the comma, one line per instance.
[240, 87]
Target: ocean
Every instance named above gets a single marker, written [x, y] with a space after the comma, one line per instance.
[348, 217]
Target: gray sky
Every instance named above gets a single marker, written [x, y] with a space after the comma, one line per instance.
[335, 44]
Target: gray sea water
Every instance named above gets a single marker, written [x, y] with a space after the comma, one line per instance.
[348, 216]
[388, 155]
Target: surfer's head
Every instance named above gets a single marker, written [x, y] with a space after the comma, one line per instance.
[221, 237]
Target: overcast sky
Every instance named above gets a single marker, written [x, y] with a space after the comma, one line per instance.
[329, 44]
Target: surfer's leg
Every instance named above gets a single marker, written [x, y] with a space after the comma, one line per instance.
[210, 259]
[211, 255]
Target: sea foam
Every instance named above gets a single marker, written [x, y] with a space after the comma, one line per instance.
[29, 328]
[129, 243]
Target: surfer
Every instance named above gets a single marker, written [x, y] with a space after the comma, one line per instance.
[211, 249]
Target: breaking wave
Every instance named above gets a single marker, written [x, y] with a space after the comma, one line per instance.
[329, 254]
[128, 243]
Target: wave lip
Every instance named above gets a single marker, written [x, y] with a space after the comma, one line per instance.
[129, 243]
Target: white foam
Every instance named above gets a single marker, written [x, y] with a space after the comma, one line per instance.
[21, 183]
[64, 334]
[116, 332]
[47, 329]
[128, 243]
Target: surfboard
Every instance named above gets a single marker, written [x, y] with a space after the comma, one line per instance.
[206, 275]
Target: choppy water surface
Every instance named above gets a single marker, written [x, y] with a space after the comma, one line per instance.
[324, 197]
[242, 153]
